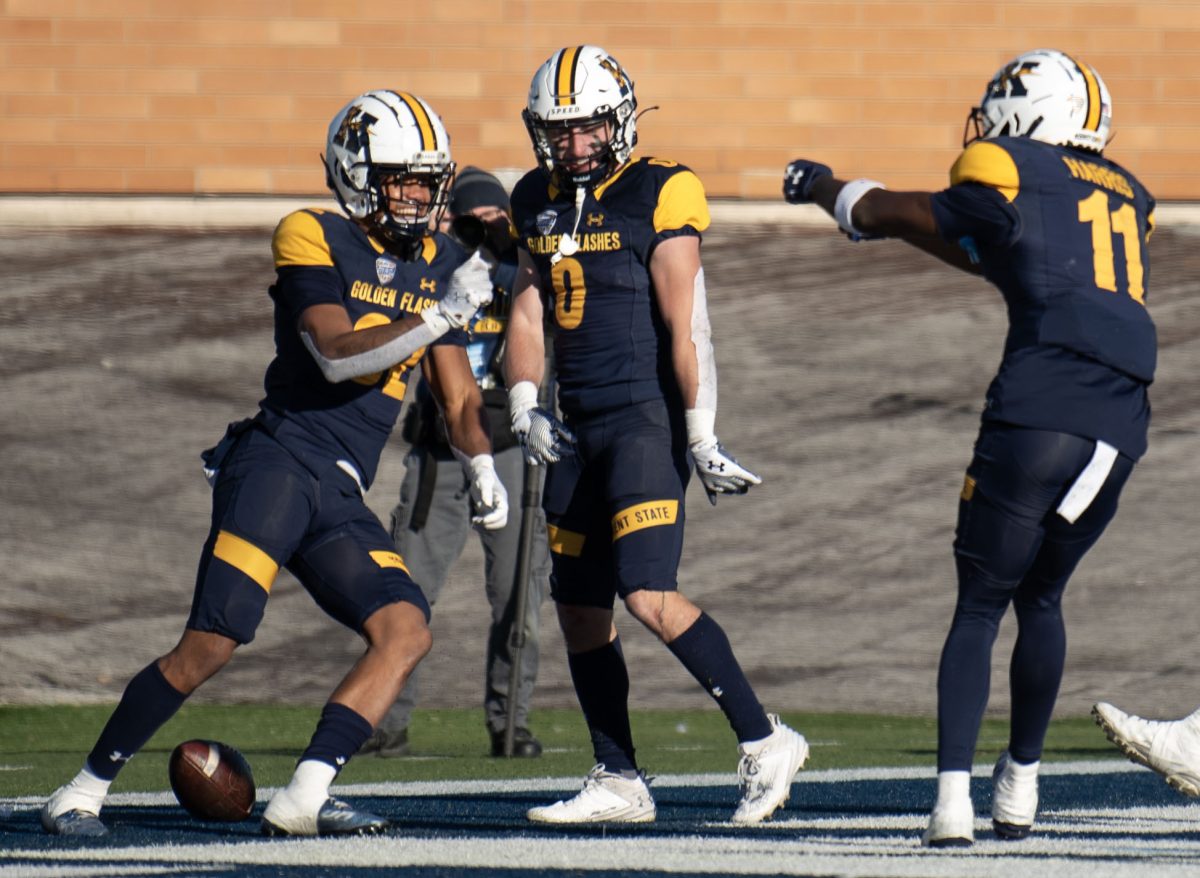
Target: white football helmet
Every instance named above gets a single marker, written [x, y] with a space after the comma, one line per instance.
[1045, 95]
[379, 135]
[577, 85]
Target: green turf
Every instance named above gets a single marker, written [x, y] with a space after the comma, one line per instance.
[40, 747]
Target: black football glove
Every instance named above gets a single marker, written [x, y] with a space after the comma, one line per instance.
[799, 178]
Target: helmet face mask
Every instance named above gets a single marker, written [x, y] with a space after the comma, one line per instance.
[383, 148]
[581, 116]
[1044, 95]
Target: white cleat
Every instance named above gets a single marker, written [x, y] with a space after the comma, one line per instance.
[1014, 797]
[605, 798]
[71, 811]
[1171, 748]
[951, 825]
[766, 770]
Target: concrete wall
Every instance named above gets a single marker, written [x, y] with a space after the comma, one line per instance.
[233, 96]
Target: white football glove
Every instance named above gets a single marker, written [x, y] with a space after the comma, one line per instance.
[543, 437]
[718, 470]
[470, 289]
[489, 499]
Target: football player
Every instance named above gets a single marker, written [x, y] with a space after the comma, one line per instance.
[359, 298]
[1035, 207]
[610, 246]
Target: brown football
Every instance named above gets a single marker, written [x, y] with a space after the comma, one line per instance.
[212, 781]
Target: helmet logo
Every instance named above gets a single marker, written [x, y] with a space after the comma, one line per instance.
[352, 133]
[610, 64]
[1008, 84]
[385, 270]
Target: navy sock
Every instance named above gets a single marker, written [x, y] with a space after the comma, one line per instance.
[339, 735]
[602, 686]
[705, 652]
[147, 703]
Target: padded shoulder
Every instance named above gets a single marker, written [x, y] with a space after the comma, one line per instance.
[681, 202]
[300, 240]
[988, 164]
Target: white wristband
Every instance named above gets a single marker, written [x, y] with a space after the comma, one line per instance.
[700, 425]
[522, 397]
[849, 196]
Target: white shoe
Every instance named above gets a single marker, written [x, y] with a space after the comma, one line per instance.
[951, 825]
[766, 770]
[605, 798]
[1172, 748]
[72, 811]
[285, 816]
[1014, 797]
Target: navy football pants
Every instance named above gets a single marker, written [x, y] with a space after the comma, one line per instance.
[1011, 546]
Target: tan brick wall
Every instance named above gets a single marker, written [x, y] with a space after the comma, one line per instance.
[233, 96]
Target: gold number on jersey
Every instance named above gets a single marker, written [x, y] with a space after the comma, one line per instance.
[569, 292]
[1123, 222]
[395, 384]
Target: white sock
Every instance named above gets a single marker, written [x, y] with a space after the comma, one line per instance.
[1023, 771]
[309, 786]
[953, 785]
[91, 785]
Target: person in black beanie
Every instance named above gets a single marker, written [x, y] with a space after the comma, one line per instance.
[431, 522]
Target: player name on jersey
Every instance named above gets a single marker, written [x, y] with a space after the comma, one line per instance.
[1098, 174]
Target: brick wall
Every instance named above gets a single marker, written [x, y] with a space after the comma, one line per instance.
[233, 96]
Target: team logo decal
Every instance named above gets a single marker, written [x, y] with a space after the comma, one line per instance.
[385, 270]
[545, 221]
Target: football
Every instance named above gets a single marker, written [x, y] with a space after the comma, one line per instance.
[212, 781]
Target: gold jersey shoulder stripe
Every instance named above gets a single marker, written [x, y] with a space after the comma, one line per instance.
[246, 557]
[990, 165]
[300, 240]
[389, 560]
[682, 203]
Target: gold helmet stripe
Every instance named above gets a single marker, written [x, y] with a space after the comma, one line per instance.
[564, 77]
[421, 116]
[1092, 123]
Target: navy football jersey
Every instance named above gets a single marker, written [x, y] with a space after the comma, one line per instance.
[1062, 233]
[322, 257]
[610, 344]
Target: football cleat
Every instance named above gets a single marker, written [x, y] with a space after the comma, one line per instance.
[951, 825]
[605, 798]
[1171, 748]
[334, 817]
[71, 811]
[1014, 797]
[766, 770]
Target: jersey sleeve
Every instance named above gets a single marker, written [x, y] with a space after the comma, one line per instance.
[977, 210]
[304, 264]
[682, 207]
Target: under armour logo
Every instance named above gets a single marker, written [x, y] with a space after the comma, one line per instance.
[716, 466]
[117, 756]
[595, 219]
[717, 691]
[429, 286]
[340, 760]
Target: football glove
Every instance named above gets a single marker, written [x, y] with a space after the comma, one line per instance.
[719, 471]
[489, 499]
[799, 178]
[470, 289]
[543, 437]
